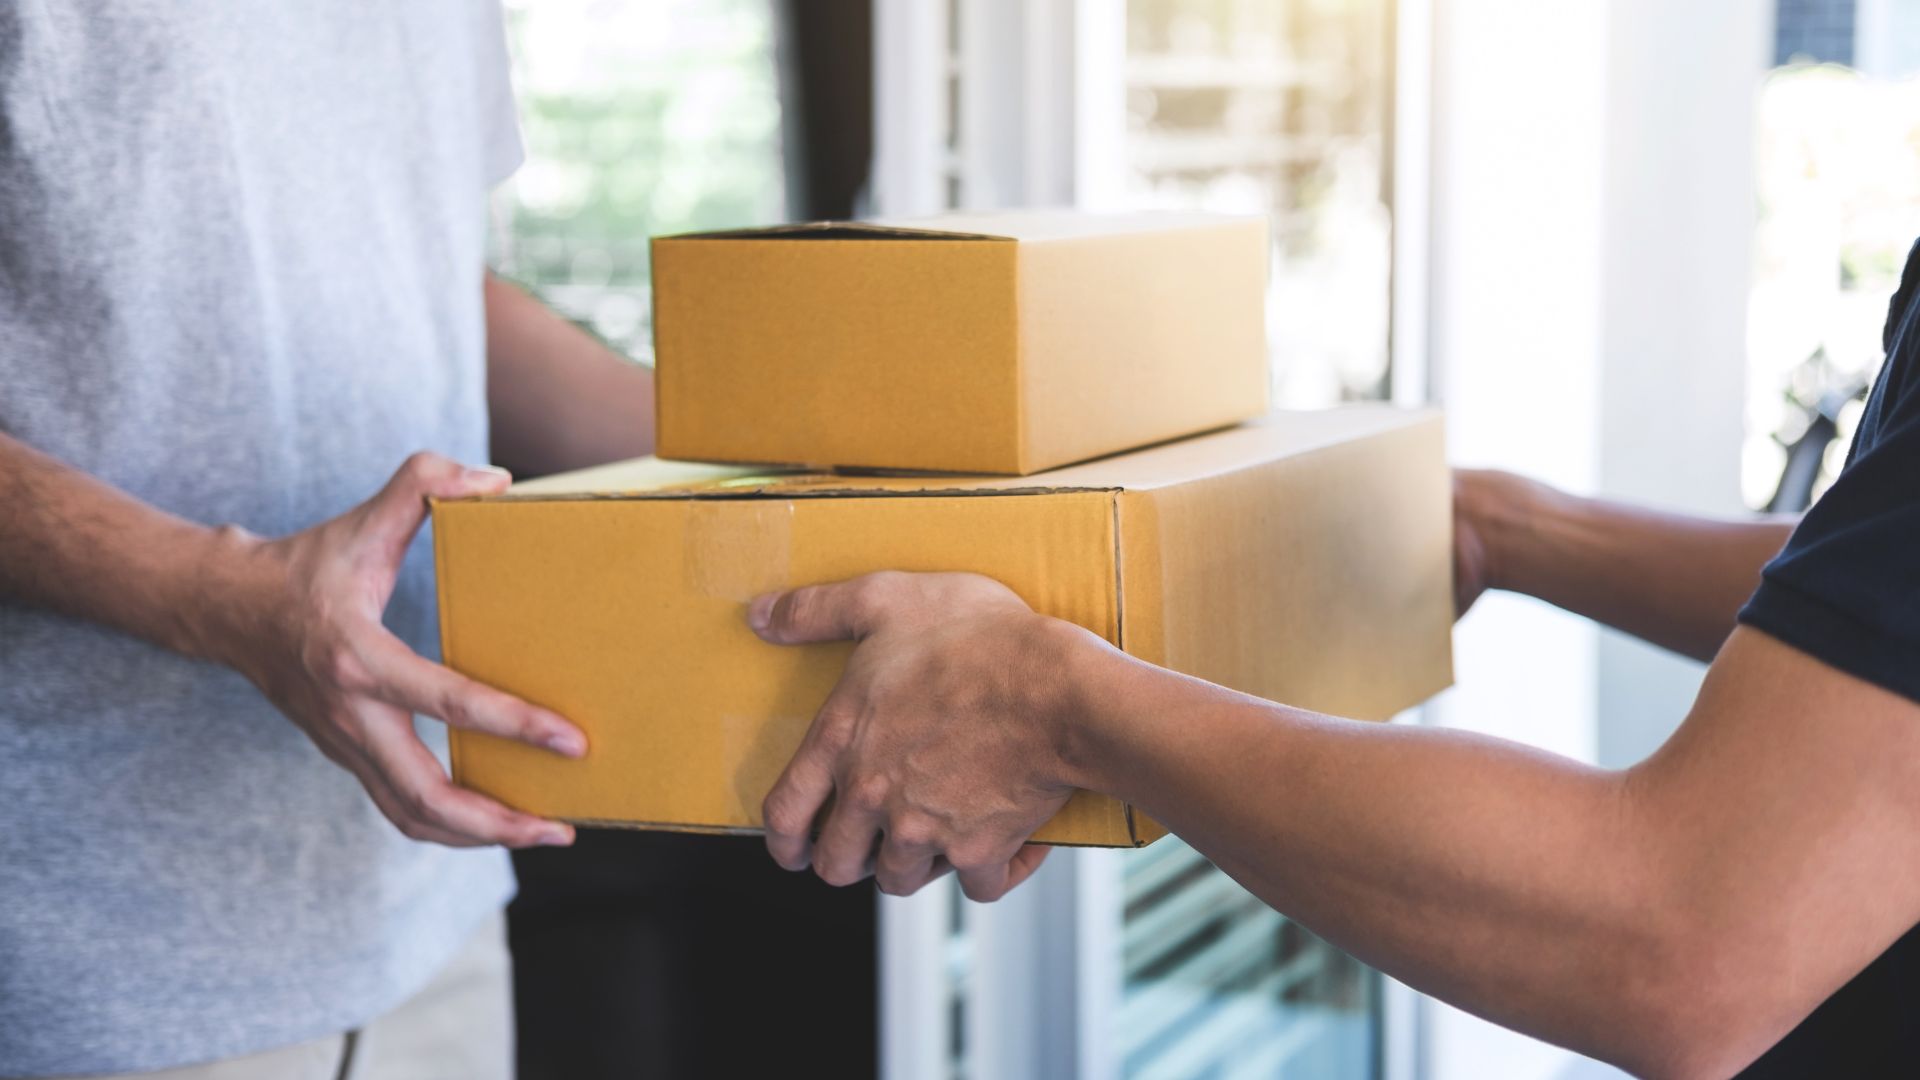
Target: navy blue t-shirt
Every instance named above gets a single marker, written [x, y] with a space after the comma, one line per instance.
[1847, 590]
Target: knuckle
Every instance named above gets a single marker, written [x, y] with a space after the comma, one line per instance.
[796, 609]
[869, 793]
[914, 831]
[983, 894]
[420, 806]
[338, 665]
[897, 884]
[504, 829]
[836, 723]
[837, 875]
[458, 711]
[420, 465]
[783, 815]
[786, 855]
[869, 594]
[973, 855]
[900, 871]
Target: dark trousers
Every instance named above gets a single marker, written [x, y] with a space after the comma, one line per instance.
[661, 955]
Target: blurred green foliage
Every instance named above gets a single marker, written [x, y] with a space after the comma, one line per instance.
[639, 120]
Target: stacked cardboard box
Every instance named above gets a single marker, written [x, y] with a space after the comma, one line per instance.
[962, 365]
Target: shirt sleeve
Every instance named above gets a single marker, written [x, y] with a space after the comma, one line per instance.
[1846, 589]
[502, 149]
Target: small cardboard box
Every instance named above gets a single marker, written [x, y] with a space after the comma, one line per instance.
[1305, 558]
[999, 343]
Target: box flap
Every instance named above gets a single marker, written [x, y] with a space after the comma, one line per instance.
[1032, 226]
[929, 229]
[1272, 437]
[1021, 225]
[655, 478]
[635, 476]
[1275, 436]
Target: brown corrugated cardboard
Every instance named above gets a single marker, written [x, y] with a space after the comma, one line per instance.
[1000, 343]
[1305, 558]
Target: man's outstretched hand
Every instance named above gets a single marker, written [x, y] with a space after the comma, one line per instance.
[300, 616]
[944, 745]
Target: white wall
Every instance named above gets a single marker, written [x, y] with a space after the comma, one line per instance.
[1514, 329]
[1592, 203]
[1684, 80]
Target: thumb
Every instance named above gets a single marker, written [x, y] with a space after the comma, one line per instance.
[392, 517]
[838, 612]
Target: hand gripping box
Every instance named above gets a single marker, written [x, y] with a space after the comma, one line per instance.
[1304, 558]
[996, 343]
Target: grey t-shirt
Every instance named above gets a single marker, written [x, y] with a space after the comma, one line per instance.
[240, 277]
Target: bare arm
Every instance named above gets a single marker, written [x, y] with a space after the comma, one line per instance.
[559, 397]
[1673, 580]
[71, 544]
[299, 616]
[1677, 918]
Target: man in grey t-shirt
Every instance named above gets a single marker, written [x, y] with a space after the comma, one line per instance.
[241, 283]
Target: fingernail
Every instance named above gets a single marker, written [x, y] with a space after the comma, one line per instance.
[487, 474]
[570, 743]
[760, 612]
[557, 838]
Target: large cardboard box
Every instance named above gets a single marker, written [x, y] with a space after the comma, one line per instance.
[1305, 558]
[1000, 343]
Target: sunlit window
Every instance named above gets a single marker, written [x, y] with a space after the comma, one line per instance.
[1839, 185]
[1279, 109]
[640, 119]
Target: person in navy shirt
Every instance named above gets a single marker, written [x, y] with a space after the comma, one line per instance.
[1744, 899]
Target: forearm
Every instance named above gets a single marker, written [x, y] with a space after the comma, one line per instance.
[72, 544]
[559, 398]
[1488, 874]
[1673, 580]
[1676, 918]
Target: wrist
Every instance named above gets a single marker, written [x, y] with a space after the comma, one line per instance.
[232, 577]
[1504, 510]
[1080, 668]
